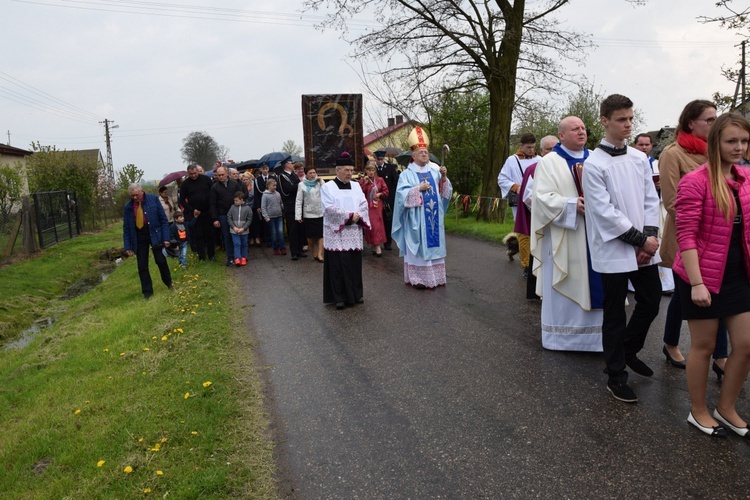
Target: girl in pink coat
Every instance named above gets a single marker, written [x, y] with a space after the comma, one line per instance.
[713, 270]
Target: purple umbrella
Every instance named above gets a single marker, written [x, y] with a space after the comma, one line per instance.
[172, 177]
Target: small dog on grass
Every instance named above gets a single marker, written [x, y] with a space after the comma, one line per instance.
[511, 243]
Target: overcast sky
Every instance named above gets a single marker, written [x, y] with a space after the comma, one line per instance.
[164, 72]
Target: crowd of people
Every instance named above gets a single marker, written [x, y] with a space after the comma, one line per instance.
[332, 220]
[602, 222]
[592, 225]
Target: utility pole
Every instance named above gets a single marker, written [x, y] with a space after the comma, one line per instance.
[739, 99]
[8, 137]
[110, 168]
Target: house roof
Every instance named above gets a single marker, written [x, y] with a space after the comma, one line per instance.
[385, 131]
[10, 150]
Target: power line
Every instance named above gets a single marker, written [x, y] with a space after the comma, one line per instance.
[48, 97]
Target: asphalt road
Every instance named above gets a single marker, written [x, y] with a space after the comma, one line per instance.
[449, 394]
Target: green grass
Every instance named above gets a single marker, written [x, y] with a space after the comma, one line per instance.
[469, 226]
[124, 381]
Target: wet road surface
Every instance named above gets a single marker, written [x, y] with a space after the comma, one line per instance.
[449, 394]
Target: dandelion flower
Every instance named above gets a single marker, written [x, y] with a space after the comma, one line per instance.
[106, 350]
[159, 473]
[194, 433]
[100, 463]
[163, 338]
[77, 412]
[187, 395]
[179, 330]
[122, 354]
[140, 440]
[192, 312]
[210, 303]
[156, 447]
[146, 349]
[147, 490]
[163, 440]
[153, 338]
[206, 384]
[127, 470]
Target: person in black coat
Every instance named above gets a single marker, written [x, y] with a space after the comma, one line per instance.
[194, 199]
[389, 173]
[221, 199]
[288, 183]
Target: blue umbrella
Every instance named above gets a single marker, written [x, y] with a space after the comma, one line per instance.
[272, 158]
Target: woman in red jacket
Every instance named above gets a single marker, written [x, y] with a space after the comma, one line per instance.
[713, 270]
[376, 193]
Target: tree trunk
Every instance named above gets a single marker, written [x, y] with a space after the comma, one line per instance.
[501, 84]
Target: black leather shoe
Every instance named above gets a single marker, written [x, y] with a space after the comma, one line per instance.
[671, 361]
[622, 392]
[719, 371]
[638, 366]
[360, 300]
[340, 305]
[294, 257]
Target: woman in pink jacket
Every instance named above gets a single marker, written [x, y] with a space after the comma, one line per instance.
[713, 270]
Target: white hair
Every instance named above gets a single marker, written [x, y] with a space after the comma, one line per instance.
[134, 186]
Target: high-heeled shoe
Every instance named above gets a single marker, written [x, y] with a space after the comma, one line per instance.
[718, 431]
[741, 431]
[718, 370]
[671, 360]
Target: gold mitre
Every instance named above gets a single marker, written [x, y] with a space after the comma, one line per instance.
[418, 139]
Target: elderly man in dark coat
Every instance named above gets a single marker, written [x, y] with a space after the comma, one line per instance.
[145, 227]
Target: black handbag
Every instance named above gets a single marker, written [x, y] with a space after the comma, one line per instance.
[513, 197]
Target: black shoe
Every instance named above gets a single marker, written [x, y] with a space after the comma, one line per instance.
[146, 297]
[295, 257]
[302, 255]
[360, 300]
[229, 263]
[526, 273]
[622, 392]
[718, 431]
[212, 259]
[670, 360]
[340, 305]
[719, 371]
[638, 366]
[741, 431]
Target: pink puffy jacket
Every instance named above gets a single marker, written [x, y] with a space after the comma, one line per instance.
[701, 226]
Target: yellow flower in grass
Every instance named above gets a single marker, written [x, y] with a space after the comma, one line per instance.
[210, 303]
[206, 384]
[77, 411]
[194, 433]
[156, 447]
[106, 350]
[122, 354]
[159, 473]
[140, 440]
[179, 330]
[100, 463]
[163, 338]
[127, 470]
[163, 440]
[192, 312]
[187, 395]
[153, 338]
[146, 349]
[147, 491]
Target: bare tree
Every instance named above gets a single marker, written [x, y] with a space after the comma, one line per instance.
[291, 148]
[201, 148]
[509, 48]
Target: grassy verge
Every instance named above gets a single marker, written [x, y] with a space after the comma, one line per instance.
[121, 397]
[469, 226]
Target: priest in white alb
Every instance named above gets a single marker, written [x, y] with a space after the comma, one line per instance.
[572, 295]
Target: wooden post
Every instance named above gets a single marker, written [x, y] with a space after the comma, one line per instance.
[29, 231]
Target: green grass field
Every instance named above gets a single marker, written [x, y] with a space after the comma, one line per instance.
[123, 397]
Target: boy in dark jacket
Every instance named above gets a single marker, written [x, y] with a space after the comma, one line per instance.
[178, 235]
